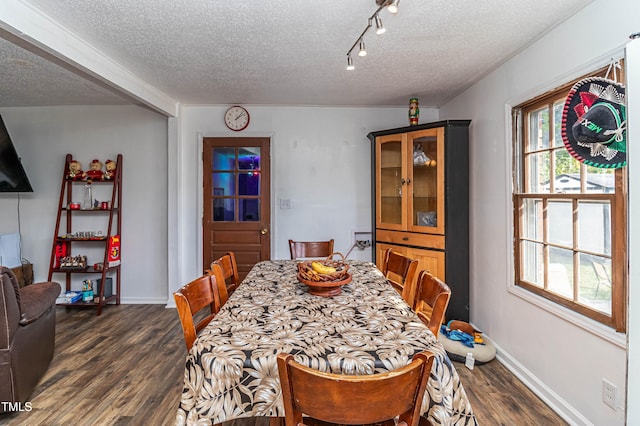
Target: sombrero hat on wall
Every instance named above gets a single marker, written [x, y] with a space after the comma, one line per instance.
[594, 122]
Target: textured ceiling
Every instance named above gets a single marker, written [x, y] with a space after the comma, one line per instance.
[280, 52]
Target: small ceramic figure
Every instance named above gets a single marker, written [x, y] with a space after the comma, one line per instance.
[75, 170]
[110, 167]
[95, 171]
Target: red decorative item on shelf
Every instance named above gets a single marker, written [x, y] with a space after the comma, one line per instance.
[61, 251]
[110, 167]
[114, 250]
[95, 171]
[75, 170]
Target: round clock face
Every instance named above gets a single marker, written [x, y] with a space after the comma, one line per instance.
[236, 118]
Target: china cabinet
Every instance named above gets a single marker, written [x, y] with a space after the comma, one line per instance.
[420, 185]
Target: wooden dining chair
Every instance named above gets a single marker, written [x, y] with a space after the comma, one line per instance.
[219, 283]
[400, 271]
[229, 271]
[350, 399]
[309, 249]
[431, 301]
[193, 298]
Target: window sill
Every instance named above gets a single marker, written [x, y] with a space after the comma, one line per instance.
[587, 324]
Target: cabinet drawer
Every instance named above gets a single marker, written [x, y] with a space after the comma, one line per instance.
[410, 238]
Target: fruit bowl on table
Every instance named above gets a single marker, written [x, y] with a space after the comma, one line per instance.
[324, 277]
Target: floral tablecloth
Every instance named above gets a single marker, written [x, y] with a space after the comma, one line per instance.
[231, 370]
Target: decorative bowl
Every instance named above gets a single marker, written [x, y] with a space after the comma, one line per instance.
[325, 288]
[324, 284]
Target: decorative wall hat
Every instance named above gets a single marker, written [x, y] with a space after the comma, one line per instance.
[594, 123]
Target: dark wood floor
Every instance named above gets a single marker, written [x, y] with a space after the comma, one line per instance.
[125, 368]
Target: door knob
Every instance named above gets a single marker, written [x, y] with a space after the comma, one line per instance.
[264, 231]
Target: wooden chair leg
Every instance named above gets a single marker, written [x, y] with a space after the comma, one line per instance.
[276, 421]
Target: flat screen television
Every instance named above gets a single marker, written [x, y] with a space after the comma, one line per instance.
[12, 175]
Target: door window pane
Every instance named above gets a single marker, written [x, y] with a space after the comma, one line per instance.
[223, 210]
[249, 158]
[249, 183]
[224, 158]
[224, 184]
[249, 209]
[391, 182]
[425, 181]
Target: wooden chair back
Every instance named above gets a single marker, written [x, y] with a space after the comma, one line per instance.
[219, 283]
[193, 298]
[432, 299]
[401, 271]
[229, 271]
[310, 249]
[352, 400]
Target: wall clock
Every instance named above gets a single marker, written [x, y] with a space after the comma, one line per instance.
[236, 118]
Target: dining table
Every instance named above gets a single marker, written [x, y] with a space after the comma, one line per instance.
[231, 370]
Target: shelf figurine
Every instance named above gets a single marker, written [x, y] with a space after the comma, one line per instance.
[95, 171]
[75, 170]
[110, 172]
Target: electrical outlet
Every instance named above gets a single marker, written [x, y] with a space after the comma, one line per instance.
[609, 393]
[362, 238]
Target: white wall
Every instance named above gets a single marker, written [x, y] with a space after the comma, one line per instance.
[43, 136]
[320, 160]
[564, 360]
[633, 157]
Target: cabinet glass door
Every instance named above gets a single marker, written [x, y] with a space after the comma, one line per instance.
[391, 185]
[426, 203]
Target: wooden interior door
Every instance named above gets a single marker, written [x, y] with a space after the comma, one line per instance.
[237, 215]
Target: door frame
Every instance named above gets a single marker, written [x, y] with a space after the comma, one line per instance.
[200, 183]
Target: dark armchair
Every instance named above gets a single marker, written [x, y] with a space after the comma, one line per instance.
[27, 335]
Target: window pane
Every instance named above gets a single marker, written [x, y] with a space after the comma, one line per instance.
[560, 222]
[595, 282]
[567, 172]
[224, 158]
[391, 182]
[561, 272]
[224, 184]
[532, 219]
[249, 210]
[249, 158]
[223, 210]
[532, 267]
[600, 180]
[538, 129]
[557, 123]
[594, 219]
[249, 183]
[538, 173]
[425, 181]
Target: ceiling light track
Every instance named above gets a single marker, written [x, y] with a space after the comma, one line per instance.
[392, 6]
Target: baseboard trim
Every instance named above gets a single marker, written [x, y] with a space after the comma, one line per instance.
[143, 300]
[552, 399]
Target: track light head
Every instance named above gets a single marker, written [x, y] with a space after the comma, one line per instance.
[350, 66]
[380, 29]
[363, 50]
[392, 7]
